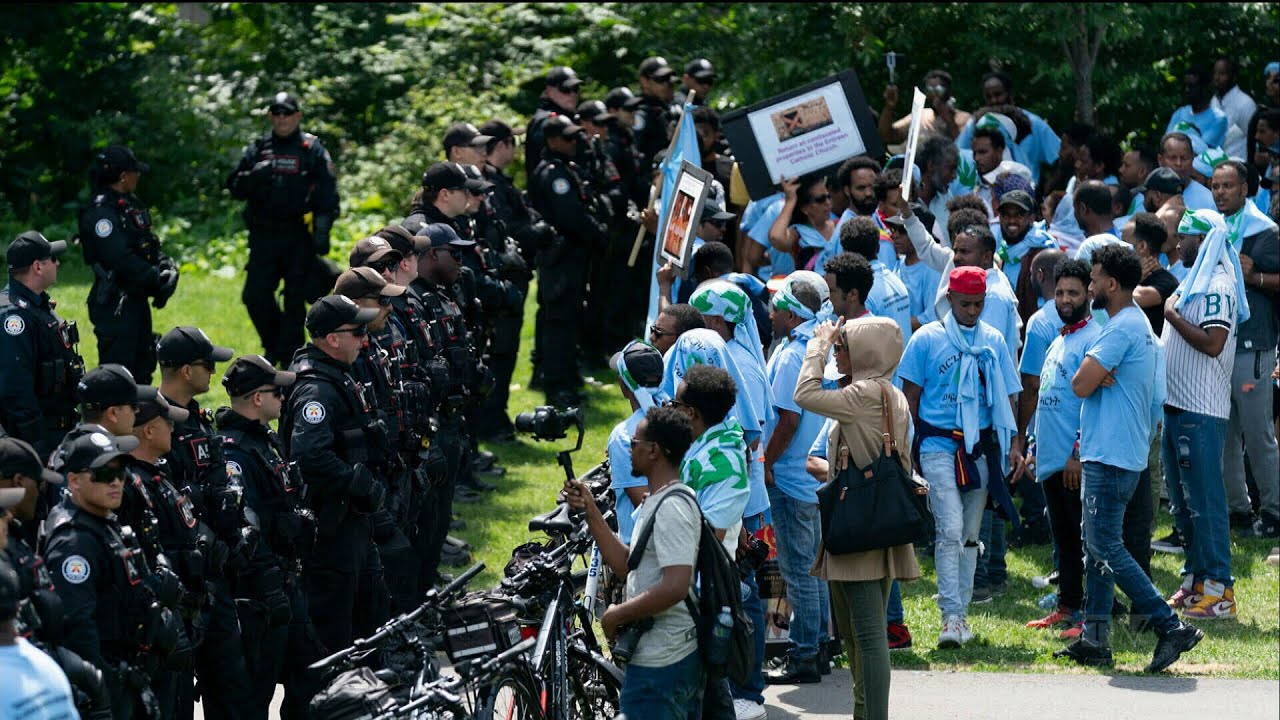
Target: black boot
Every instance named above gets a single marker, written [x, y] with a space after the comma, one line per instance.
[795, 672]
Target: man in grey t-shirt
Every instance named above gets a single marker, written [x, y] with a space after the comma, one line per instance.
[664, 678]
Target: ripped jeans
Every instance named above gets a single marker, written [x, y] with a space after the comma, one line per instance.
[957, 516]
[1192, 449]
[1105, 493]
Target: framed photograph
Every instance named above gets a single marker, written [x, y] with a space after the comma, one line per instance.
[810, 129]
[679, 225]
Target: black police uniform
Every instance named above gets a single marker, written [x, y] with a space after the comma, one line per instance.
[42, 365]
[559, 195]
[124, 254]
[40, 620]
[283, 179]
[101, 581]
[199, 470]
[625, 313]
[652, 131]
[325, 429]
[608, 193]
[279, 639]
[535, 142]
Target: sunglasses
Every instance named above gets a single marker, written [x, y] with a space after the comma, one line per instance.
[819, 199]
[275, 390]
[107, 475]
[455, 254]
[654, 332]
[359, 332]
[210, 366]
[380, 267]
[635, 442]
[673, 403]
[280, 112]
[840, 347]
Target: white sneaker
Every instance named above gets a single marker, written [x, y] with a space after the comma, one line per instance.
[1040, 582]
[965, 633]
[950, 637]
[747, 710]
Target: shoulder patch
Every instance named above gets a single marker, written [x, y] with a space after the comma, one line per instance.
[75, 569]
[14, 324]
[313, 412]
[234, 470]
[560, 186]
[103, 228]
[639, 122]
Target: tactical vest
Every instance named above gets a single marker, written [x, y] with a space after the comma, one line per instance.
[59, 367]
[135, 222]
[287, 527]
[359, 436]
[288, 197]
[173, 526]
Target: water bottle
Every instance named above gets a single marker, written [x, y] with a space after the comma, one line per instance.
[1031, 454]
[719, 651]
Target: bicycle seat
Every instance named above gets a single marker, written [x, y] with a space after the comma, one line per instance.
[555, 522]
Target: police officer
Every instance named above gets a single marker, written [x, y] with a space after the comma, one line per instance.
[188, 360]
[559, 97]
[443, 198]
[464, 144]
[558, 193]
[654, 117]
[327, 428]
[101, 576]
[37, 349]
[284, 175]
[275, 621]
[128, 265]
[454, 369]
[699, 76]
[379, 372]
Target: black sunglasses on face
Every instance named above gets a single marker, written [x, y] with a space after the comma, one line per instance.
[635, 442]
[379, 267]
[819, 199]
[281, 113]
[359, 332]
[275, 390]
[210, 366]
[107, 475]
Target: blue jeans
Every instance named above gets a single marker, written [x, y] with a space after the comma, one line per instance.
[1106, 492]
[957, 517]
[673, 692]
[798, 528]
[1033, 502]
[1192, 454]
[754, 607]
[992, 569]
[894, 613]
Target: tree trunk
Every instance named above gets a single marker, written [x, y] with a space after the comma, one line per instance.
[1081, 49]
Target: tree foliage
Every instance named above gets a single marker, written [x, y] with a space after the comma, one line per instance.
[380, 82]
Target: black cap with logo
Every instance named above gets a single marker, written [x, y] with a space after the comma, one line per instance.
[333, 311]
[444, 176]
[563, 78]
[31, 246]
[187, 345]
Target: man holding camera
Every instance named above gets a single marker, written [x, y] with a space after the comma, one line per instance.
[664, 678]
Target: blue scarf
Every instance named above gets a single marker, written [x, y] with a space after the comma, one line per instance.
[1215, 249]
[978, 364]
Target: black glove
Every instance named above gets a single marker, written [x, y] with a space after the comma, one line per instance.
[168, 286]
[321, 225]
[166, 586]
[365, 490]
[384, 526]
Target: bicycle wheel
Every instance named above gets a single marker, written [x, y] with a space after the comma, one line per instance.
[595, 685]
[513, 695]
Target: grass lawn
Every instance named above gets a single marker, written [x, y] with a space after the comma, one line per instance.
[1245, 648]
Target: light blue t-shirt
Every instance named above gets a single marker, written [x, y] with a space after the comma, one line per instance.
[1197, 197]
[1058, 412]
[1040, 146]
[922, 283]
[619, 450]
[788, 471]
[1093, 244]
[1012, 261]
[890, 298]
[754, 390]
[780, 263]
[1116, 421]
[1042, 328]
[933, 362]
[1001, 313]
[33, 687]
[820, 443]
[1211, 121]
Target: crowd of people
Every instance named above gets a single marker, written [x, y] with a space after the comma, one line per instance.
[1049, 322]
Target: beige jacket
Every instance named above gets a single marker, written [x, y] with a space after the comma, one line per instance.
[875, 348]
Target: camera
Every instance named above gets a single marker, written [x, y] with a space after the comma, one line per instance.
[628, 638]
[549, 423]
[753, 559]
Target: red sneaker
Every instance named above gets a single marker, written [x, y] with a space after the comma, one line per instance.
[899, 636]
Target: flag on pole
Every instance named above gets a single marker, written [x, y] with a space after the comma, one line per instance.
[684, 147]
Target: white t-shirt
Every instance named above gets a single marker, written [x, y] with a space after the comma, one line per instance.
[32, 686]
[1199, 383]
[674, 541]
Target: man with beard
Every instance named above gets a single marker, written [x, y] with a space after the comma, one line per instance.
[856, 178]
[1020, 241]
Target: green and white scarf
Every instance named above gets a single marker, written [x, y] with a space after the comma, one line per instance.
[718, 455]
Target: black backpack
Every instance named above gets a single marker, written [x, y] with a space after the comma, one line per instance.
[353, 695]
[720, 586]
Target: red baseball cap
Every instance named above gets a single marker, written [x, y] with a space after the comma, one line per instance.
[968, 280]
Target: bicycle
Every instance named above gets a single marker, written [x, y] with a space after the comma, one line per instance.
[446, 698]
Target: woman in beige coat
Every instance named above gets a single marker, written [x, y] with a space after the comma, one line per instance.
[867, 352]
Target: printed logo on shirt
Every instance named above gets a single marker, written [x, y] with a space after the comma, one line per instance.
[103, 228]
[286, 164]
[75, 569]
[14, 325]
[313, 412]
[560, 186]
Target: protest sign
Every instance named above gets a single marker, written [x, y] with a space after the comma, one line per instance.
[683, 215]
[913, 139]
[809, 129]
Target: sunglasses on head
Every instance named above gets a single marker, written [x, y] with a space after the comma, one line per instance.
[108, 474]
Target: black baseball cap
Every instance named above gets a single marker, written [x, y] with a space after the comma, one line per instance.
[622, 98]
[560, 126]
[701, 70]
[185, 345]
[158, 406]
[499, 130]
[31, 246]
[1162, 179]
[365, 282]
[594, 111]
[563, 78]
[333, 311]
[464, 134]
[656, 68]
[644, 363]
[403, 241]
[712, 211]
[120, 158]
[444, 176]
[250, 372]
[442, 234]
[92, 450]
[17, 456]
[372, 249]
[475, 179]
[110, 385]
[1017, 198]
[284, 101]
